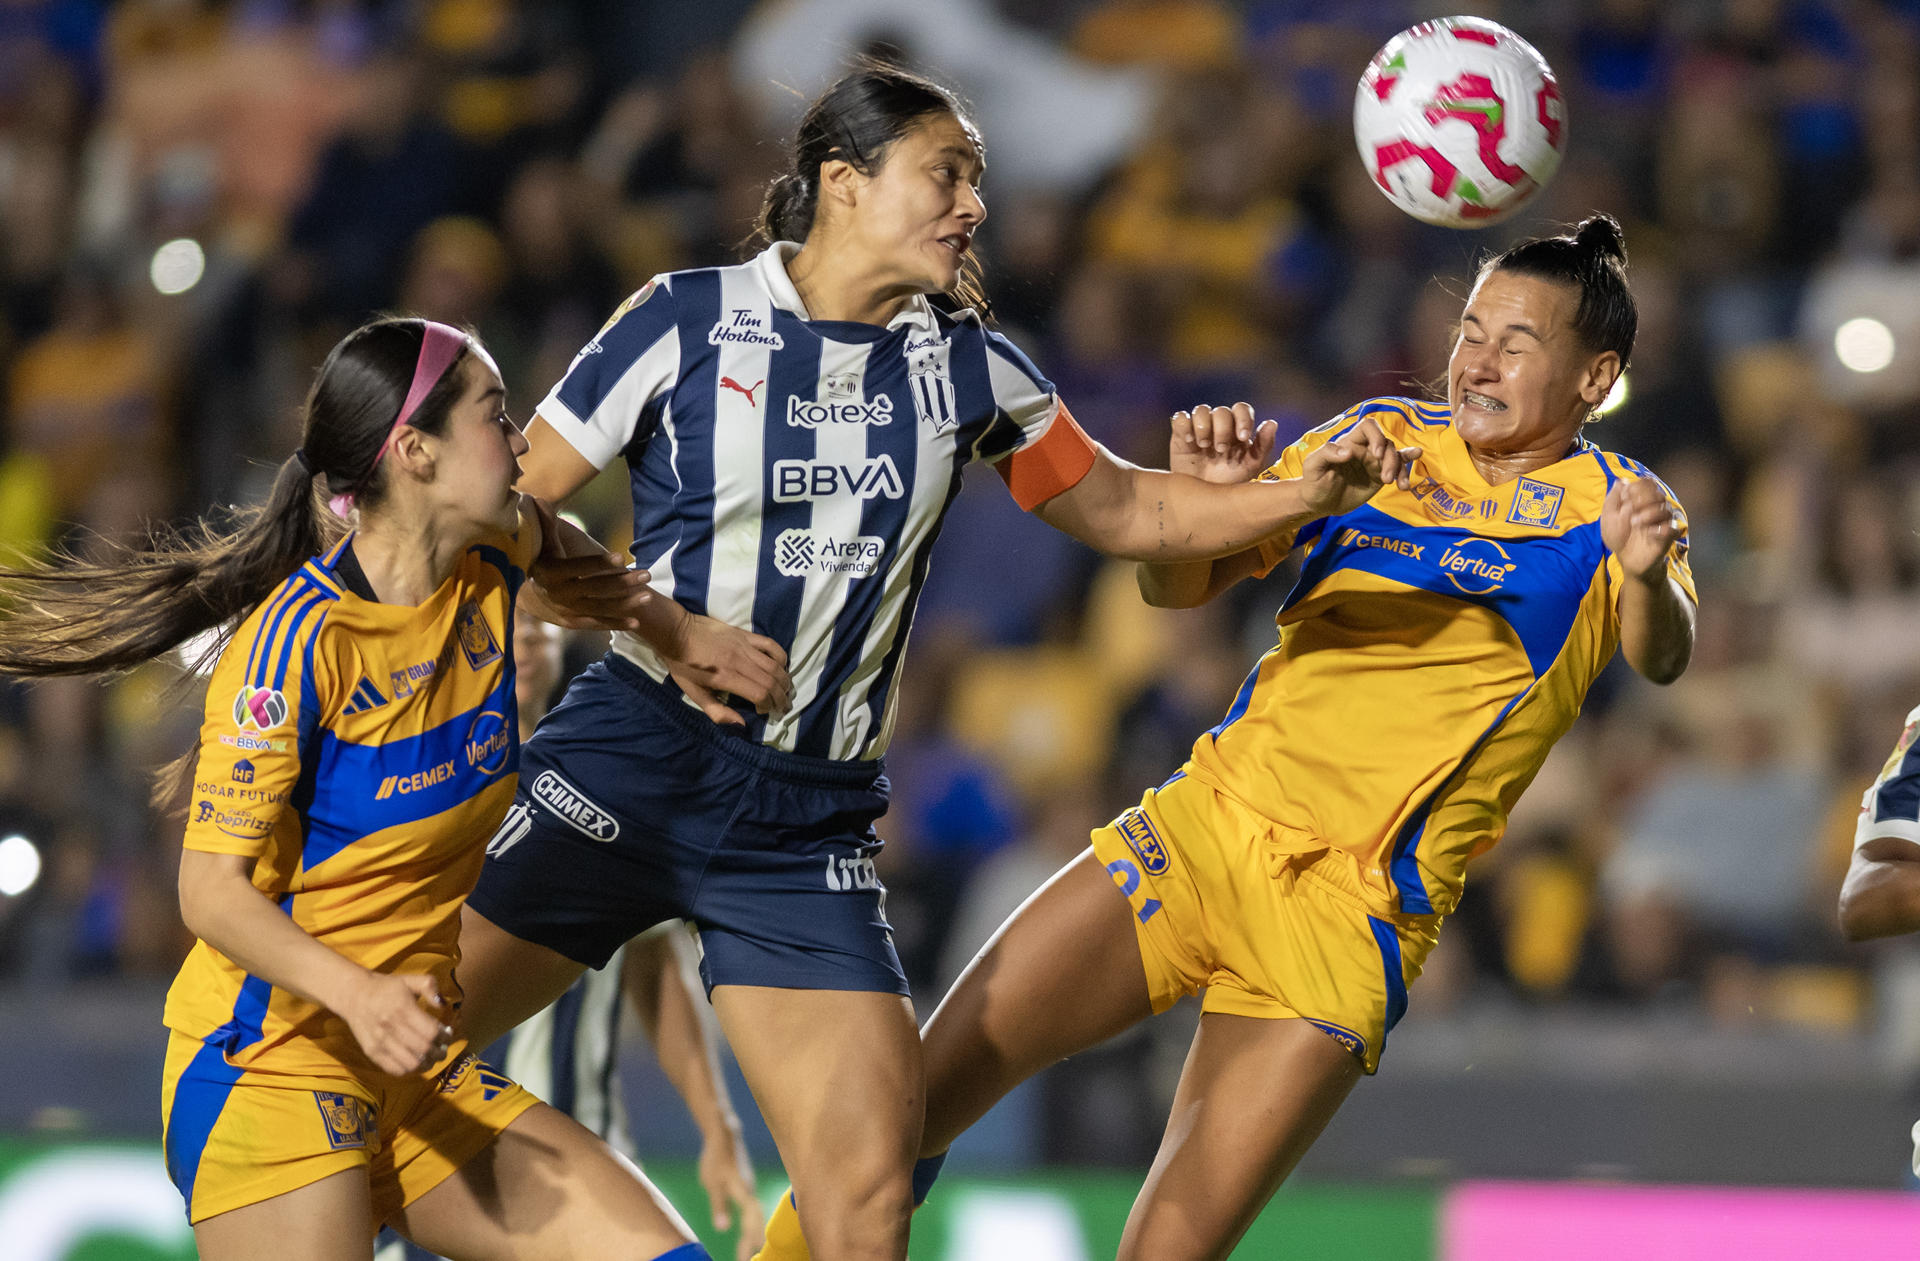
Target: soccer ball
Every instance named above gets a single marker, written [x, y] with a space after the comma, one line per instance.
[1459, 121]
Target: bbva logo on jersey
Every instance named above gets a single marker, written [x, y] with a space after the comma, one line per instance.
[798, 481]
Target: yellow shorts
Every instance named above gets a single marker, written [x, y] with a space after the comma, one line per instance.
[1265, 933]
[236, 1136]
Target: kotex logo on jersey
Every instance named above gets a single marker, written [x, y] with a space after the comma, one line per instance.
[263, 708]
[574, 807]
[802, 553]
[801, 481]
[812, 413]
[744, 328]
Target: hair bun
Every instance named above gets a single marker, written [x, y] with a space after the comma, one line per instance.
[1601, 236]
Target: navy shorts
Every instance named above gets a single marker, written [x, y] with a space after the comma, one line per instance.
[634, 808]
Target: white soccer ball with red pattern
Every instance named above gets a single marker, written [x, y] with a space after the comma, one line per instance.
[1459, 121]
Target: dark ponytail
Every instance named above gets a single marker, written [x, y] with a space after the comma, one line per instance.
[83, 614]
[1593, 259]
[857, 121]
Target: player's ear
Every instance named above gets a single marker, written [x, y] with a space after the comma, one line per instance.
[413, 452]
[840, 183]
[1596, 382]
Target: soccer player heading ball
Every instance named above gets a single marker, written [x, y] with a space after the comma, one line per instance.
[1441, 637]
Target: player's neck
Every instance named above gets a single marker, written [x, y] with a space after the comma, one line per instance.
[406, 561]
[834, 286]
[1496, 467]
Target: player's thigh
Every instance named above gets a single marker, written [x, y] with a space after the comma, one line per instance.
[546, 1188]
[504, 979]
[327, 1220]
[1061, 975]
[837, 1075]
[1253, 1097]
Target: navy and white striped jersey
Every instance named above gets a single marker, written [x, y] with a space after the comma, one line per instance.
[790, 475]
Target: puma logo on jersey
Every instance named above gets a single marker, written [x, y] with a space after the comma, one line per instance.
[728, 383]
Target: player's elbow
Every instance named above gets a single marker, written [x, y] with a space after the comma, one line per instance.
[1871, 905]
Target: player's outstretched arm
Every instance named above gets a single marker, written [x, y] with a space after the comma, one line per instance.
[1640, 527]
[1881, 894]
[659, 984]
[1148, 515]
[397, 1020]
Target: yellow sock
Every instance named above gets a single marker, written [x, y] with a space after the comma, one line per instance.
[785, 1242]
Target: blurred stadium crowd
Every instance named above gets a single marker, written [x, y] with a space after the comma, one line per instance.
[198, 198]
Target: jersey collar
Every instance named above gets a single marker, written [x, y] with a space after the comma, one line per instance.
[771, 264]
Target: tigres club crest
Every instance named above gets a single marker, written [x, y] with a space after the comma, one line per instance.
[346, 1117]
[1536, 504]
[476, 637]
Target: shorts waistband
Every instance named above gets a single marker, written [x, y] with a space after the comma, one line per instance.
[797, 768]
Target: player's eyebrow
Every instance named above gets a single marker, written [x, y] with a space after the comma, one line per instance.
[965, 154]
[493, 392]
[1516, 327]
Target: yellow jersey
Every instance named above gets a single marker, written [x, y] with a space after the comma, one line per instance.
[1437, 643]
[361, 753]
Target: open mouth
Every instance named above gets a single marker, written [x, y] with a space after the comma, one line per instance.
[1482, 402]
[958, 242]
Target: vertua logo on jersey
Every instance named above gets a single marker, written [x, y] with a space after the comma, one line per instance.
[813, 413]
[489, 742]
[744, 328]
[580, 811]
[803, 553]
[262, 707]
[927, 373]
[1477, 566]
[797, 481]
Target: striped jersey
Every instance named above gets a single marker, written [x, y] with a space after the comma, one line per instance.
[789, 475]
[361, 753]
[1438, 642]
[1891, 806]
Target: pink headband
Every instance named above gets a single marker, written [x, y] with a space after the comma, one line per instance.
[440, 346]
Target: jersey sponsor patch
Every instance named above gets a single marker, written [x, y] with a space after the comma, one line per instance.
[579, 811]
[234, 822]
[263, 708]
[1144, 840]
[803, 413]
[744, 328]
[801, 553]
[489, 742]
[802, 481]
[1341, 1034]
[1477, 566]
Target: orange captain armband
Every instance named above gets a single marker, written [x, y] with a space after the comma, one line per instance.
[1056, 462]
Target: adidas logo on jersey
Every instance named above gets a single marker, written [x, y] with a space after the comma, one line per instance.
[365, 697]
[798, 481]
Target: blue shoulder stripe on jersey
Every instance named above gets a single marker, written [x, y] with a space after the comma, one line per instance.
[597, 373]
[323, 604]
[1391, 968]
[263, 629]
[1241, 699]
[510, 574]
[1546, 578]
[360, 789]
[1898, 796]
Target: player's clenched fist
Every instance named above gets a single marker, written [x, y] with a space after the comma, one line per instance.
[1638, 525]
[1345, 473]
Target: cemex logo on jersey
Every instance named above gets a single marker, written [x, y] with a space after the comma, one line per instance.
[575, 807]
[804, 552]
[744, 328]
[798, 481]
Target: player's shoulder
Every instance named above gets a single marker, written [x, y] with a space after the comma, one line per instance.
[1625, 466]
[284, 628]
[1393, 413]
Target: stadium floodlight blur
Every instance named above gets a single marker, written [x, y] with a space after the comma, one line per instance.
[19, 865]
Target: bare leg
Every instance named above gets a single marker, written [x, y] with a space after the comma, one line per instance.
[1253, 1097]
[328, 1220]
[504, 979]
[837, 1074]
[1063, 974]
[545, 1189]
